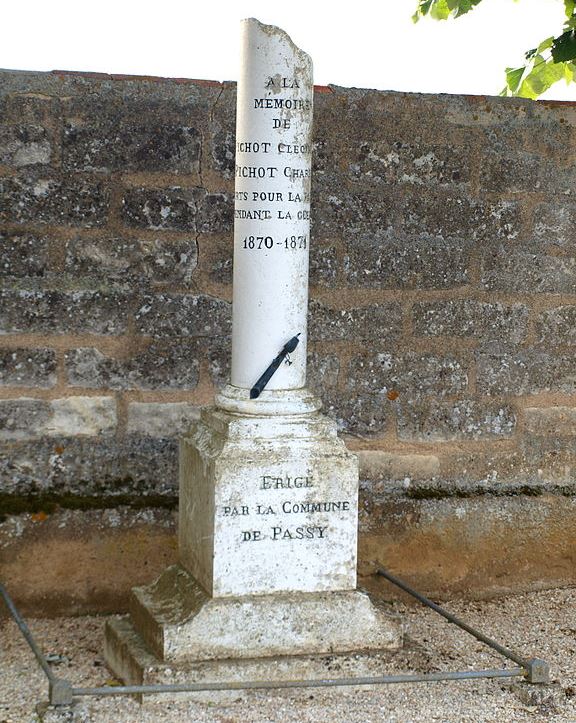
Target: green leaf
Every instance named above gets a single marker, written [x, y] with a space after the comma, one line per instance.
[440, 10]
[464, 6]
[540, 78]
[514, 78]
[564, 47]
[423, 8]
[545, 44]
[569, 7]
[569, 72]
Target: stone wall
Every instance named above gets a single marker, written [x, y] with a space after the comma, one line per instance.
[442, 314]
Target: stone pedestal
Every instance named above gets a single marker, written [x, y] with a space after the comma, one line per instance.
[265, 588]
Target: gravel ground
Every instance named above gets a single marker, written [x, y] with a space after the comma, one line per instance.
[541, 624]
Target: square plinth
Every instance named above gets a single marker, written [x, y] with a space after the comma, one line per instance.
[267, 505]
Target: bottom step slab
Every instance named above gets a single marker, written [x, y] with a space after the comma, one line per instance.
[133, 663]
[179, 622]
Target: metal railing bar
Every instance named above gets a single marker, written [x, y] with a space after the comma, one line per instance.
[506, 652]
[322, 683]
[27, 634]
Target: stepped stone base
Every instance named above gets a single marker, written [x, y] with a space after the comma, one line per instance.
[178, 634]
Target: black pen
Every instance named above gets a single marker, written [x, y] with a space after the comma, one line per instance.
[288, 348]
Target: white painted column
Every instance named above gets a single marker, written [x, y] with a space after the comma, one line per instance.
[272, 207]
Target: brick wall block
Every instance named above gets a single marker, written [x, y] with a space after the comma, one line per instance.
[24, 144]
[27, 368]
[132, 261]
[22, 419]
[449, 216]
[557, 326]
[23, 255]
[524, 172]
[161, 419]
[409, 373]
[134, 145]
[376, 465]
[432, 420]
[472, 319]
[364, 416]
[177, 315]
[551, 421]
[100, 466]
[405, 264]
[555, 222]
[340, 210]
[171, 365]
[87, 312]
[519, 371]
[376, 322]
[412, 162]
[178, 209]
[52, 199]
[509, 271]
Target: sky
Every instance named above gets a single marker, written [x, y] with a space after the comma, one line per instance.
[361, 43]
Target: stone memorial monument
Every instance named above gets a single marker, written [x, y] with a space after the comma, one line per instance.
[265, 588]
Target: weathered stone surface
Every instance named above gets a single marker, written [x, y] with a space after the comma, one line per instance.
[323, 264]
[450, 544]
[471, 318]
[23, 255]
[132, 136]
[376, 465]
[223, 152]
[219, 352]
[87, 312]
[131, 660]
[405, 264]
[222, 132]
[520, 371]
[505, 270]
[550, 459]
[340, 211]
[555, 222]
[557, 327]
[430, 420]
[553, 421]
[411, 162]
[27, 367]
[180, 315]
[256, 489]
[27, 107]
[322, 371]
[363, 416]
[127, 261]
[448, 216]
[376, 322]
[179, 622]
[104, 551]
[173, 365]
[24, 145]
[134, 467]
[75, 416]
[179, 209]
[161, 419]
[410, 374]
[49, 198]
[22, 419]
[503, 173]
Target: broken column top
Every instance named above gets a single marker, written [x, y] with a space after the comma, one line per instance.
[272, 213]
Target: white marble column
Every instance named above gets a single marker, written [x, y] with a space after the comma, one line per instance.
[272, 208]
